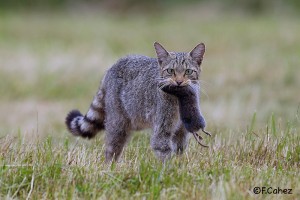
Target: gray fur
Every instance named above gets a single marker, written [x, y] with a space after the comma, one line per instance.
[130, 98]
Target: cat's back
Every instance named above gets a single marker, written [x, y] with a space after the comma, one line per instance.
[133, 81]
[132, 69]
[133, 65]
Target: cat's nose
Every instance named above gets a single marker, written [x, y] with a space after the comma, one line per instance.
[179, 82]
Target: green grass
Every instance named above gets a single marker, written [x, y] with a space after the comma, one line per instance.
[51, 63]
[231, 167]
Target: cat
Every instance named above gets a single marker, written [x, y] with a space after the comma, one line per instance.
[131, 97]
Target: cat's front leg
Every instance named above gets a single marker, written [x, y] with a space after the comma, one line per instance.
[161, 143]
[180, 140]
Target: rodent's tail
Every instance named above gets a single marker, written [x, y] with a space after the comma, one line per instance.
[89, 125]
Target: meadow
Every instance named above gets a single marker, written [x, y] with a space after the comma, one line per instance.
[52, 62]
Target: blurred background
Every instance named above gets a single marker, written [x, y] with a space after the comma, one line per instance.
[53, 54]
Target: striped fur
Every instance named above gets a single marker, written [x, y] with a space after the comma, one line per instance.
[89, 125]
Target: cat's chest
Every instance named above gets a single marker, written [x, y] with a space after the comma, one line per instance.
[168, 114]
[175, 121]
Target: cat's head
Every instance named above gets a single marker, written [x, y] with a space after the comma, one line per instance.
[178, 68]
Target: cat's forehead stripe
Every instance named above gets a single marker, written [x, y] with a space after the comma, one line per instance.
[181, 64]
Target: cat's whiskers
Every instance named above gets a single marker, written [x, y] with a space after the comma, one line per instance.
[189, 85]
[173, 82]
[162, 86]
[164, 83]
[195, 82]
[186, 83]
[204, 92]
[204, 82]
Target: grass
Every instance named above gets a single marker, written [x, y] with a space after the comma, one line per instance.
[230, 168]
[51, 63]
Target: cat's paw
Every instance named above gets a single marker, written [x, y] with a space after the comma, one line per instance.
[162, 151]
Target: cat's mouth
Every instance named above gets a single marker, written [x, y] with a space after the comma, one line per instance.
[180, 86]
[167, 85]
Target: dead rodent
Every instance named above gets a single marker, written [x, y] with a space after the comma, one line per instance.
[189, 109]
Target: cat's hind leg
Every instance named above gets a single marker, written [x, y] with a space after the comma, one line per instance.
[117, 134]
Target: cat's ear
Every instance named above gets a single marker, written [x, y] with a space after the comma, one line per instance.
[197, 53]
[161, 52]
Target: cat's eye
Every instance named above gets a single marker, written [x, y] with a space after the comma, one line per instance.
[188, 72]
[170, 71]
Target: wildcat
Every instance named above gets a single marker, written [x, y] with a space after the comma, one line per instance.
[131, 97]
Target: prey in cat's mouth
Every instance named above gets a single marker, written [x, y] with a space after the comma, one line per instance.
[189, 110]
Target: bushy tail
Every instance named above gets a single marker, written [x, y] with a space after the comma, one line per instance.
[89, 125]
